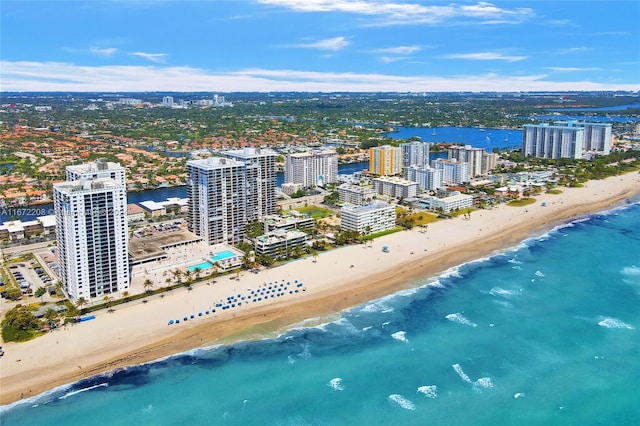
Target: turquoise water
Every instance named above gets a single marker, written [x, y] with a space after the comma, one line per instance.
[201, 266]
[225, 254]
[543, 334]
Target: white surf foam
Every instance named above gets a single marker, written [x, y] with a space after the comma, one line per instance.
[401, 336]
[461, 373]
[631, 276]
[402, 402]
[614, 323]
[519, 395]
[539, 274]
[430, 391]
[336, 384]
[631, 271]
[498, 291]
[483, 382]
[460, 319]
[75, 392]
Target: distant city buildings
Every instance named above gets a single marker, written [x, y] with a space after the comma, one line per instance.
[217, 101]
[311, 169]
[374, 217]
[385, 160]
[91, 230]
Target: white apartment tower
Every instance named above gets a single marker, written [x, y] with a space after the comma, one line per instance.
[96, 169]
[597, 137]
[552, 142]
[415, 154]
[217, 199]
[428, 178]
[91, 232]
[470, 155]
[260, 175]
[311, 168]
[453, 172]
[374, 217]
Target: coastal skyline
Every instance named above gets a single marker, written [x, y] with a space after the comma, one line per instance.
[319, 45]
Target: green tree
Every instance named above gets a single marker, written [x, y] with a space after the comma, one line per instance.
[107, 302]
[13, 293]
[148, 285]
[19, 324]
[40, 292]
[51, 316]
[81, 303]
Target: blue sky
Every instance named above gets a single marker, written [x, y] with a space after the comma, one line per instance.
[319, 45]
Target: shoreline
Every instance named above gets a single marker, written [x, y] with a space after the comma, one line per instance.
[139, 333]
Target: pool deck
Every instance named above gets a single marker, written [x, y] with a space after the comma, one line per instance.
[179, 258]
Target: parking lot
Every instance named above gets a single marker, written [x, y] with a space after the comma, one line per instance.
[29, 276]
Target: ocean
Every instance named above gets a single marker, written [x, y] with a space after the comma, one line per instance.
[545, 333]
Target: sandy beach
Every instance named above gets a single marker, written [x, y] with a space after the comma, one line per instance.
[305, 291]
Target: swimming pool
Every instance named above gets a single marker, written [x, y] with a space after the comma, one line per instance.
[225, 254]
[200, 266]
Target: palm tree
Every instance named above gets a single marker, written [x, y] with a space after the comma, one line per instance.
[51, 316]
[148, 285]
[177, 273]
[197, 272]
[40, 292]
[81, 302]
[125, 295]
[107, 302]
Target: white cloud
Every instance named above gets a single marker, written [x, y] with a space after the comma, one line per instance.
[107, 51]
[486, 56]
[393, 13]
[400, 50]
[570, 69]
[153, 57]
[397, 53]
[57, 76]
[391, 59]
[334, 44]
[571, 50]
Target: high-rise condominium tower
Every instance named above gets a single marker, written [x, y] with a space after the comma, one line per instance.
[91, 230]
